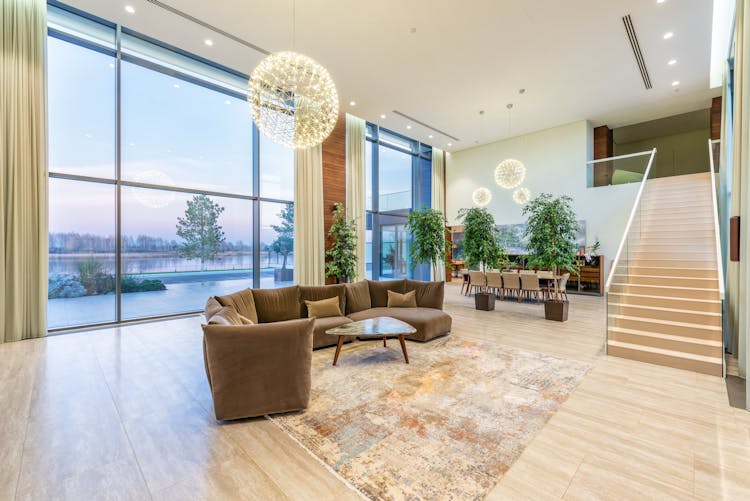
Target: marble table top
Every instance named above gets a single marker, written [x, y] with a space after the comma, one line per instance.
[376, 327]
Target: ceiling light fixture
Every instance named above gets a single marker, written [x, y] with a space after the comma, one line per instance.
[352, 103]
[510, 173]
[293, 99]
[672, 62]
[668, 35]
[675, 83]
[660, 1]
[130, 9]
[408, 127]
[450, 144]
[208, 42]
[382, 116]
[521, 196]
[430, 136]
[481, 196]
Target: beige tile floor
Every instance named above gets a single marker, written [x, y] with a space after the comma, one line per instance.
[125, 413]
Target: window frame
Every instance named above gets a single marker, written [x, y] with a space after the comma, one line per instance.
[170, 70]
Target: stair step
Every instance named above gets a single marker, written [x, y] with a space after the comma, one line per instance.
[686, 255]
[674, 272]
[668, 263]
[685, 329]
[666, 280]
[669, 358]
[681, 344]
[710, 318]
[668, 291]
[707, 305]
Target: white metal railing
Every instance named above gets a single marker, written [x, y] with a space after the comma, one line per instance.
[632, 212]
[715, 205]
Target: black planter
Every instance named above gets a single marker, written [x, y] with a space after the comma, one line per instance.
[283, 275]
[556, 310]
[484, 301]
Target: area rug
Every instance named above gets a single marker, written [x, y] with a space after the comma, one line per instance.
[446, 426]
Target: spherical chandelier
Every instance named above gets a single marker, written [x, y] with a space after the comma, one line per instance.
[481, 196]
[510, 174]
[521, 196]
[293, 100]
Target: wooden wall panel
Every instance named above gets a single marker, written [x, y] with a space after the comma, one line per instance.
[603, 148]
[334, 174]
[716, 118]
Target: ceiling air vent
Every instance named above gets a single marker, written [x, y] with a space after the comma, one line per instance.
[628, 21]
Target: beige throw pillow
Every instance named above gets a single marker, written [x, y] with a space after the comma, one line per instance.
[226, 316]
[396, 300]
[324, 308]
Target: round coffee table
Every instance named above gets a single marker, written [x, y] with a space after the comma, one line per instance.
[375, 328]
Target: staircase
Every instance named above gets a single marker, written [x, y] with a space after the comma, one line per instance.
[664, 303]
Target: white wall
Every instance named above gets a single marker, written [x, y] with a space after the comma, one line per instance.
[555, 162]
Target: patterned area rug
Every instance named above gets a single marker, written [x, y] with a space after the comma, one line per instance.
[447, 426]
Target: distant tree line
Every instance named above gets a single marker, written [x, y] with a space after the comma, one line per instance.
[72, 243]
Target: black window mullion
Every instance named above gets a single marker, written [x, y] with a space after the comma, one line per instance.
[256, 208]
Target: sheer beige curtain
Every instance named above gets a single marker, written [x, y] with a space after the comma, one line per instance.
[23, 170]
[438, 193]
[309, 232]
[356, 128]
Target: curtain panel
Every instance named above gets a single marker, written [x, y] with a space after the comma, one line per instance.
[309, 229]
[23, 170]
[438, 194]
[356, 128]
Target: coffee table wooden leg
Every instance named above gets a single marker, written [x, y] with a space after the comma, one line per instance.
[403, 348]
[384, 345]
[338, 349]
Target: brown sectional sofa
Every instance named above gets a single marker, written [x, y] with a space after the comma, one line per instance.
[258, 343]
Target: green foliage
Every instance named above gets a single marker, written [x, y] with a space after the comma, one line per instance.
[93, 278]
[342, 257]
[130, 284]
[551, 229]
[200, 230]
[427, 227]
[481, 238]
[284, 243]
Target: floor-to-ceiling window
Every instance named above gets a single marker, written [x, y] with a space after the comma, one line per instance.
[398, 177]
[162, 192]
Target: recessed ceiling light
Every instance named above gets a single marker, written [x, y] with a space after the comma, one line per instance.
[382, 116]
[130, 9]
[352, 103]
[675, 83]
[450, 144]
[668, 35]
[430, 136]
[672, 62]
[660, 1]
[208, 42]
[408, 127]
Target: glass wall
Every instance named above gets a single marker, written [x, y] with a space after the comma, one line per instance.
[162, 193]
[399, 176]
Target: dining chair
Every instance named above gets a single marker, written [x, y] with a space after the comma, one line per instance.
[466, 281]
[495, 282]
[478, 281]
[511, 284]
[548, 277]
[526, 272]
[563, 285]
[530, 285]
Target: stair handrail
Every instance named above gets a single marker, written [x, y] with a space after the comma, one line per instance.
[630, 219]
[715, 208]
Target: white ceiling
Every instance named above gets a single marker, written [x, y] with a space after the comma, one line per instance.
[572, 57]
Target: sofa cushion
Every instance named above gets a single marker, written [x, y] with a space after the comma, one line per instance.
[396, 300]
[324, 308]
[320, 338]
[316, 293]
[243, 301]
[429, 294]
[277, 305]
[429, 322]
[227, 315]
[212, 307]
[357, 296]
[379, 291]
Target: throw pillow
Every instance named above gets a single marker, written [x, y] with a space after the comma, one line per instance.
[396, 300]
[324, 308]
[225, 316]
[246, 321]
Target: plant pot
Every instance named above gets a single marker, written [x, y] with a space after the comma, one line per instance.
[556, 310]
[283, 275]
[484, 301]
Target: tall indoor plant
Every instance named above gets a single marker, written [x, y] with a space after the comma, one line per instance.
[427, 228]
[342, 256]
[551, 228]
[481, 247]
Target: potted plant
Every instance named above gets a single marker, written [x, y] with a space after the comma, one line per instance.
[342, 256]
[551, 229]
[427, 227]
[481, 247]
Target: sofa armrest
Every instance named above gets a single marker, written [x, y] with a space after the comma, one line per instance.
[258, 369]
